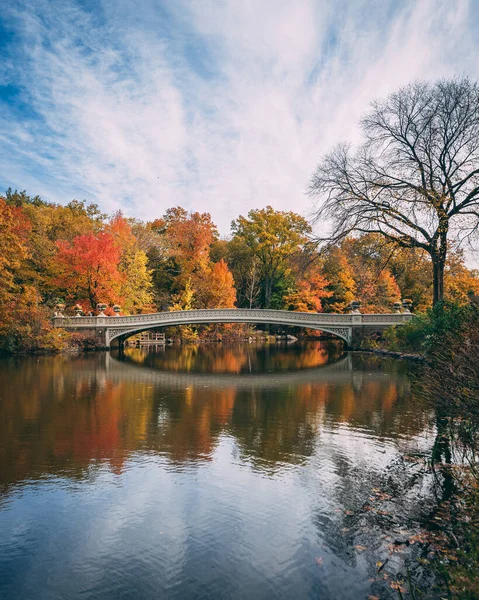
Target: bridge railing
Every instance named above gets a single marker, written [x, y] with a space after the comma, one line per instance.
[234, 315]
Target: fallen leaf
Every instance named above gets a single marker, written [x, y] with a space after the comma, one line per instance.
[360, 548]
[396, 585]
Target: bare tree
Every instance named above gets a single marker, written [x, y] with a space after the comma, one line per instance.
[415, 178]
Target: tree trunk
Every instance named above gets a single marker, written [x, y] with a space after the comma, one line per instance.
[438, 264]
[438, 280]
[252, 286]
[268, 288]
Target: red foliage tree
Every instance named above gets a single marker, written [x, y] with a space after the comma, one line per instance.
[89, 268]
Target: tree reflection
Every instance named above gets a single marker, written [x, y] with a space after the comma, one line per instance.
[239, 358]
[64, 415]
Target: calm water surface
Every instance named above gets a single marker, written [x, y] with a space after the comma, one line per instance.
[197, 472]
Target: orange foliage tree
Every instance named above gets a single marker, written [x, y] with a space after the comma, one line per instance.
[309, 292]
[89, 268]
[215, 287]
[189, 237]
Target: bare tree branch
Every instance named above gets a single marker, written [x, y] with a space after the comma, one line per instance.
[415, 178]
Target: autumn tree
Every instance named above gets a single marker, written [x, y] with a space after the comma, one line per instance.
[89, 268]
[309, 290]
[135, 291]
[411, 268]
[273, 238]
[24, 320]
[50, 222]
[181, 251]
[369, 256]
[341, 286]
[184, 300]
[189, 237]
[415, 178]
[459, 281]
[246, 270]
[14, 231]
[215, 288]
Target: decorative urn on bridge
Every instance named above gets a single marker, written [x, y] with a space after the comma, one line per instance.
[59, 308]
[101, 306]
[354, 307]
[407, 305]
[116, 310]
[77, 309]
[397, 307]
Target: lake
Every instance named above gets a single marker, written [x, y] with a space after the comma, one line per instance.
[202, 471]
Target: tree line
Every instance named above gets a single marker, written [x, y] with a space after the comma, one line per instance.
[77, 254]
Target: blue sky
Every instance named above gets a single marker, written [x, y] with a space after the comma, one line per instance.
[216, 105]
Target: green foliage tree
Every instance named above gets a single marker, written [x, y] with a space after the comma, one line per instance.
[273, 237]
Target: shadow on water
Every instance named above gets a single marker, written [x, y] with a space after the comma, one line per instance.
[195, 471]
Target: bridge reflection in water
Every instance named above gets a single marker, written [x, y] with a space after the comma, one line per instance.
[83, 410]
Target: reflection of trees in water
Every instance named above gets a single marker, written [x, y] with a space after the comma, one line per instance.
[52, 421]
[239, 358]
[191, 422]
[61, 415]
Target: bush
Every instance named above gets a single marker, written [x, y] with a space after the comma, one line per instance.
[427, 331]
[24, 339]
[84, 343]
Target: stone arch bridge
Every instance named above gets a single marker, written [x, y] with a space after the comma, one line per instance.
[113, 331]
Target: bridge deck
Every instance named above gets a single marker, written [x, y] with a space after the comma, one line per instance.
[337, 324]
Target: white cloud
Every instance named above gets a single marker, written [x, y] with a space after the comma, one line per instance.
[220, 105]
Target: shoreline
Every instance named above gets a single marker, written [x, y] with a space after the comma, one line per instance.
[390, 354]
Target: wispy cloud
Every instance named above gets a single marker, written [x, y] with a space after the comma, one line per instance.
[216, 105]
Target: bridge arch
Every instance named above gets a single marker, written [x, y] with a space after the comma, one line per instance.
[343, 333]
